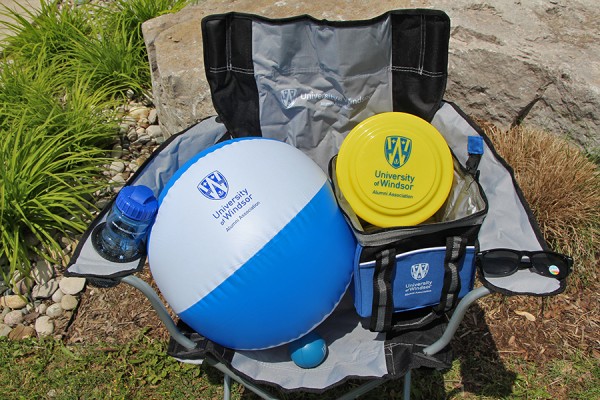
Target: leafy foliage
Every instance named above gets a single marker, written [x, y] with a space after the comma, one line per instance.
[64, 69]
[51, 141]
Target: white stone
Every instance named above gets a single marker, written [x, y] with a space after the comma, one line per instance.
[117, 166]
[72, 285]
[139, 113]
[57, 296]
[41, 309]
[154, 131]
[44, 326]
[13, 301]
[46, 290]
[117, 179]
[143, 123]
[117, 151]
[4, 330]
[123, 128]
[152, 117]
[143, 139]
[23, 286]
[42, 272]
[54, 310]
[13, 318]
[69, 302]
[132, 135]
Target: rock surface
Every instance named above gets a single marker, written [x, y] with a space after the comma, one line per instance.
[21, 332]
[530, 61]
[13, 318]
[71, 285]
[13, 301]
[44, 326]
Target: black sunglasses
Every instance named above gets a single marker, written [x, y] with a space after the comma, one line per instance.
[503, 262]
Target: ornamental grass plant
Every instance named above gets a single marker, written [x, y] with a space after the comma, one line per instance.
[64, 69]
[52, 143]
[562, 186]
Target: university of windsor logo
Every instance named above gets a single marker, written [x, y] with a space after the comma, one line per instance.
[419, 271]
[214, 186]
[397, 150]
[288, 97]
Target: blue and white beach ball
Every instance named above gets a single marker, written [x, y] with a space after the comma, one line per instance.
[249, 247]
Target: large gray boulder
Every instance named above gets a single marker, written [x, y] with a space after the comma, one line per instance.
[531, 62]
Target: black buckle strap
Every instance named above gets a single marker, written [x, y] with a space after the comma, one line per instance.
[455, 250]
[383, 301]
[475, 150]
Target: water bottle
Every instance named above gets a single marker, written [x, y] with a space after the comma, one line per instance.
[122, 238]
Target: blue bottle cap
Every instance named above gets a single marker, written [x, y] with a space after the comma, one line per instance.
[137, 202]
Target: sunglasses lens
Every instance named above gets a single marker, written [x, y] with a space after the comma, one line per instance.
[500, 263]
[552, 265]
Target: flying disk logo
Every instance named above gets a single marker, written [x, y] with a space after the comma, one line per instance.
[419, 271]
[288, 97]
[214, 186]
[397, 150]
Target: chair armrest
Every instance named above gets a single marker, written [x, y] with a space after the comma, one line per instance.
[456, 319]
[160, 309]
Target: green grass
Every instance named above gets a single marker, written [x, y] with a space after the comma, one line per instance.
[39, 369]
[140, 369]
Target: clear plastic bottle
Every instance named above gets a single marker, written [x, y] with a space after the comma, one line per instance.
[122, 238]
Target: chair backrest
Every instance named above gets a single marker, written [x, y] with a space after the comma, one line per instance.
[309, 82]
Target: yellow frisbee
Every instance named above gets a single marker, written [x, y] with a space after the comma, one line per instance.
[394, 169]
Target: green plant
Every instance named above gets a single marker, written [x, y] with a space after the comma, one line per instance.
[45, 34]
[122, 50]
[63, 66]
[51, 146]
[113, 60]
[130, 14]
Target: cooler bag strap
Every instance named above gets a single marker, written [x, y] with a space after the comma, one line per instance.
[455, 250]
[383, 301]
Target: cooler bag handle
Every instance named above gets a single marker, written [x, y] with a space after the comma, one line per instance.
[383, 303]
[456, 247]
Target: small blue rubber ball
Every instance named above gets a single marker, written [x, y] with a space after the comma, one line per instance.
[309, 351]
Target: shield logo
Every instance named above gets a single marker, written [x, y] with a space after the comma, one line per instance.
[397, 150]
[214, 186]
[419, 271]
[288, 97]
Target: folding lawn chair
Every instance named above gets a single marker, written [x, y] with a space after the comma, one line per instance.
[308, 83]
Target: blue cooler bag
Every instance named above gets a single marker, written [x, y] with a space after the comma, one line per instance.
[417, 279]
[406, 277]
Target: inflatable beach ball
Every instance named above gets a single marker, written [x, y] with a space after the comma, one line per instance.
[249, 247]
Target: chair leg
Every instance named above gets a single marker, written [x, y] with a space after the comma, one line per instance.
[407, 383]
[227, 387]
